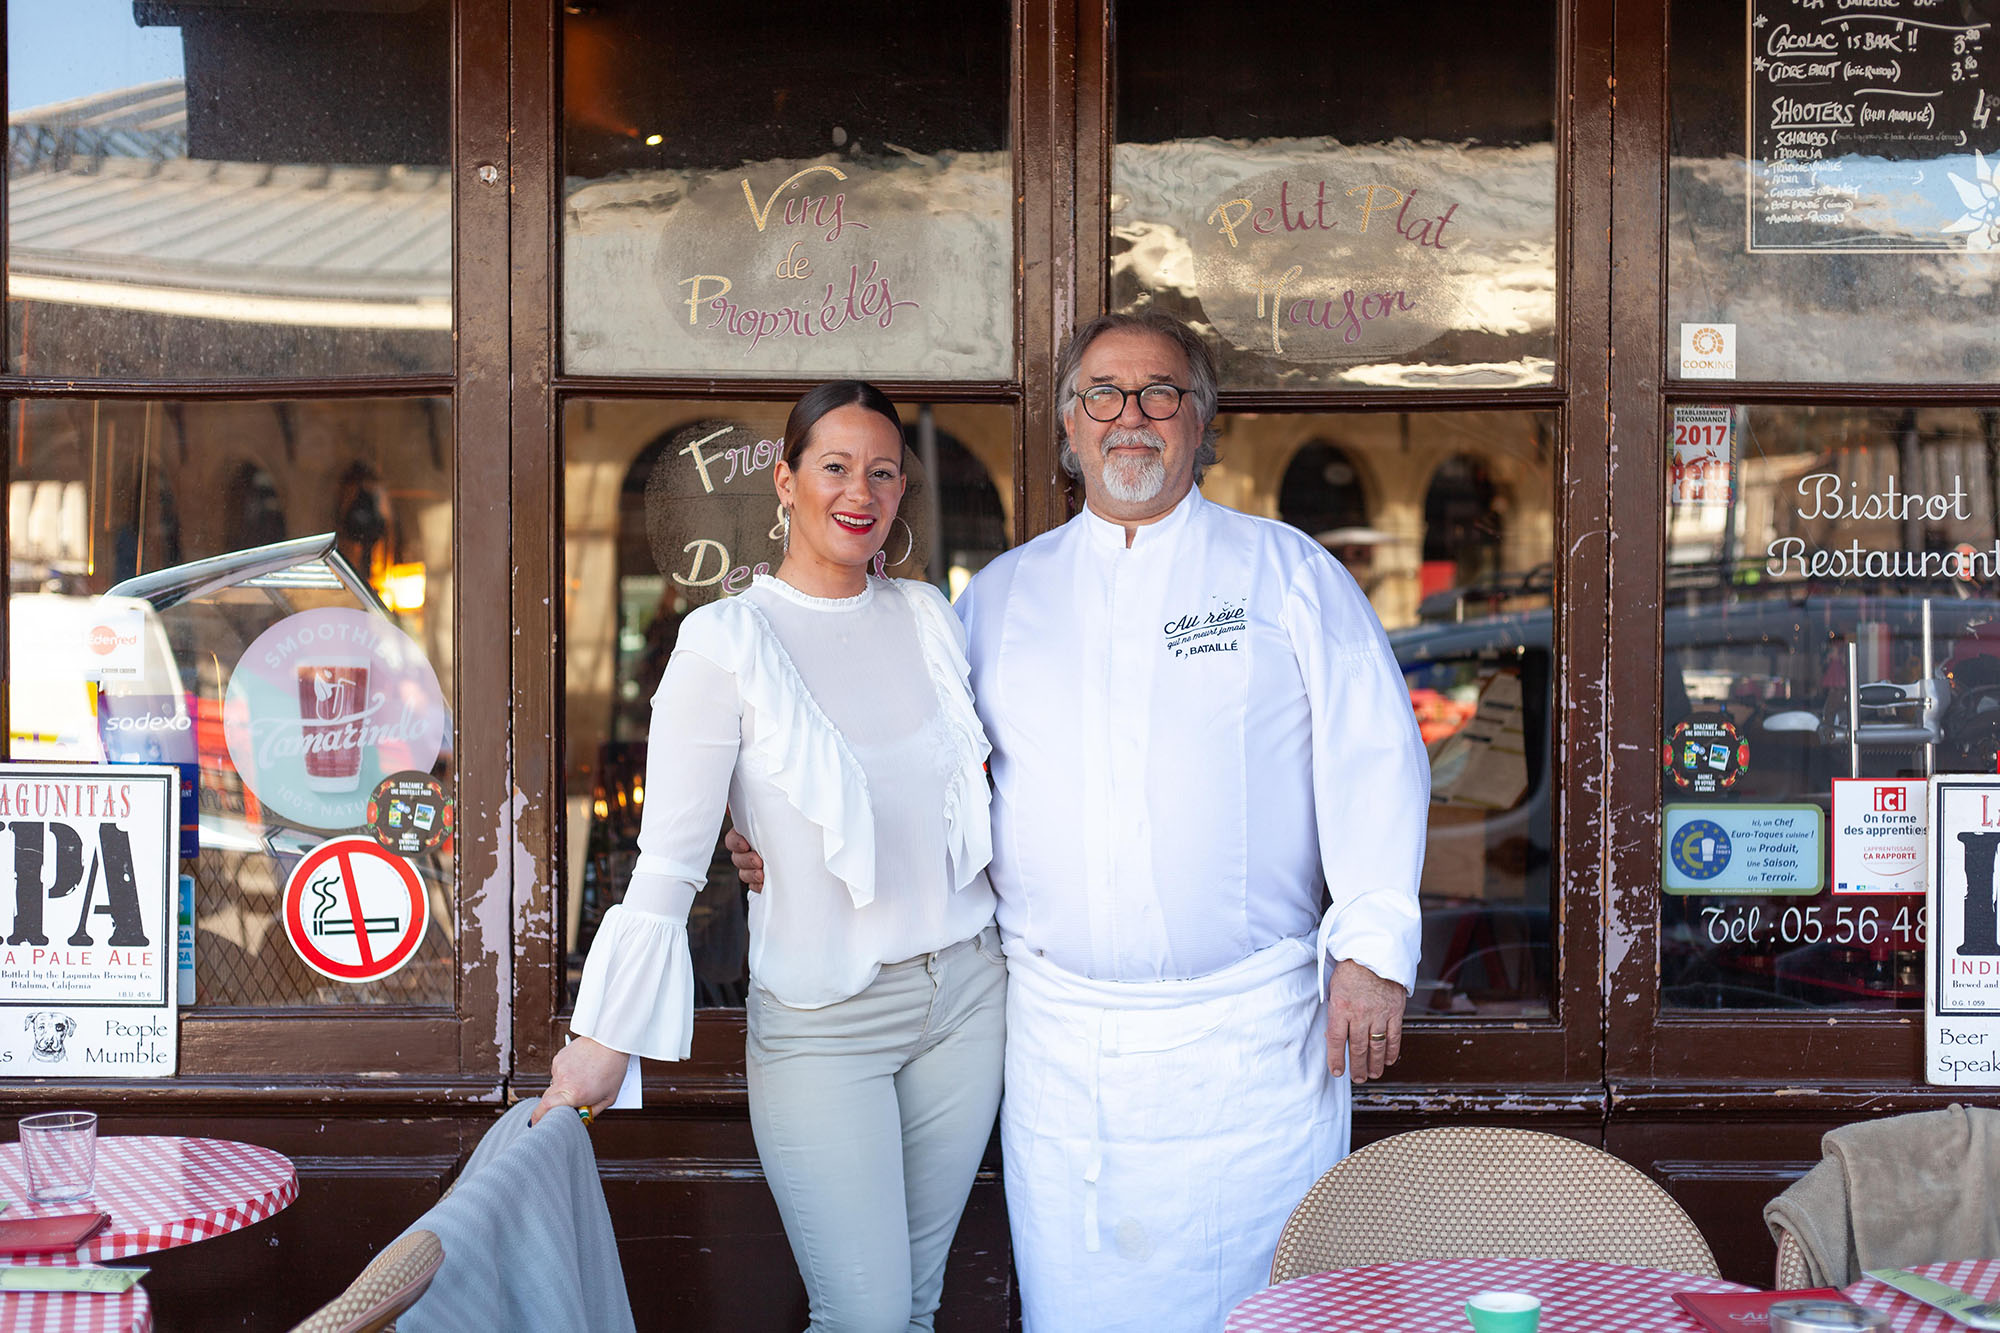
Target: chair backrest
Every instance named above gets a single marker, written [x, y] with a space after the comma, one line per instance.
[1791, 1274]
[389, 1285]
[1483, 1191]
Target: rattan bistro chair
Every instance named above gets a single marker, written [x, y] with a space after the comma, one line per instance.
[1479, 1191]
[390, 1284]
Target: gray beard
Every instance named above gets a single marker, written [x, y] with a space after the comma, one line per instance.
[1134, 481]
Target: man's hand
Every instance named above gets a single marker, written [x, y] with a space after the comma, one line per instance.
[1364, 1014]
[585, 1073]
[749, 865]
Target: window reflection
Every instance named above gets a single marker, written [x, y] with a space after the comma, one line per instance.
[1446, 520]
[1829, 194]
[205, 525]
[669, 505]
[204, 191]
[1391, 225]
[846, 209]
[1831, 617]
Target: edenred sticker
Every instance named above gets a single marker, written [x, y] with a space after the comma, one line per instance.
[355, 912]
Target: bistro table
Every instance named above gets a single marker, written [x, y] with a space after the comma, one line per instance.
[1981, 1277]
[161, 1191]
[1428, 1296]
[76, 1311]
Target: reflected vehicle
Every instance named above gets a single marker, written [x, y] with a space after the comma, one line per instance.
[83, 691]
[1771, 661]
[1480, 690]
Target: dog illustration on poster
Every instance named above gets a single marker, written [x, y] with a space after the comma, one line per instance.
[51, 1031]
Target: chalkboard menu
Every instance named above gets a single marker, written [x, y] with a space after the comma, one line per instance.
[1869, 124]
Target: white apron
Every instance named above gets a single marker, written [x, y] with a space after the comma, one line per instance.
[1158, 1134]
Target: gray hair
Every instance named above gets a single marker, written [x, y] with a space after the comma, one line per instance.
[1201, 375]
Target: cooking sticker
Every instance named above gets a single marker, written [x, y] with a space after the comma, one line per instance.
[323, 706]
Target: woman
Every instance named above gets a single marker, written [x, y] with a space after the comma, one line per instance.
[830, 711]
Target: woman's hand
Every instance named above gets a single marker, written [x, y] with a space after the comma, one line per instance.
[585, 1073]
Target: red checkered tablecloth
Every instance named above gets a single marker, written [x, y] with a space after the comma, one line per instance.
[161, 1191]
[1428, 1296]
[1981, 1277]
[75, 1312]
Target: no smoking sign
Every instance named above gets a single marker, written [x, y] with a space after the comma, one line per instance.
[355, 912]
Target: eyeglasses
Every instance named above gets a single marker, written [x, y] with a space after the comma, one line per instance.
[1106, 402]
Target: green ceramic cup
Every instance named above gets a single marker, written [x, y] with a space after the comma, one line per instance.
[1504, 1312]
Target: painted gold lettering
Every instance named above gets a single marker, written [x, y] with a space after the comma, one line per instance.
[764, 216]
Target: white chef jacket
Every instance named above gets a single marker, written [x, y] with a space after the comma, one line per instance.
[840, 731]
[1187, 735]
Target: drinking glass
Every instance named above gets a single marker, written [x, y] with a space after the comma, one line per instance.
[60, 1149]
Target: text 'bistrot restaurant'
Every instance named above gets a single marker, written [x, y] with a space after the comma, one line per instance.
[401, 521]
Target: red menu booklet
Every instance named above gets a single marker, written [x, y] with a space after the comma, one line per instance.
[1735, 1311]
[58, 1234]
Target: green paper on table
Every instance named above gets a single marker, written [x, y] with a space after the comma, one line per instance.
[84, 1277]
[1963, 1306]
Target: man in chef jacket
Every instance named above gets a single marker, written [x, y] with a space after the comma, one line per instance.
[1196, 720]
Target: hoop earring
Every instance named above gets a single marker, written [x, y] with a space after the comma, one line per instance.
[909, 543]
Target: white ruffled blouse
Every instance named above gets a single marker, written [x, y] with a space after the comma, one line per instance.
[842, 733]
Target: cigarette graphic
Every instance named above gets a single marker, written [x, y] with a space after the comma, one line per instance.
[324, 922]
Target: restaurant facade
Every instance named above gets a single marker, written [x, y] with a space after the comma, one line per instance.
[1640, 360]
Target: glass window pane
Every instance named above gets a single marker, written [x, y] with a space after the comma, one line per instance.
[1387, 219]
[287, 568]
[203, 191]
[1831, 617]
[788, 189]
[670, 505]
[1831, 178]
[1447, 522]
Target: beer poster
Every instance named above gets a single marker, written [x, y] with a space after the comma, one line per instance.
[1962, 983]
[323, 706]
[87, 963]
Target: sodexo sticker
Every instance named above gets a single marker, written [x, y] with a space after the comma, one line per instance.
[324, 705]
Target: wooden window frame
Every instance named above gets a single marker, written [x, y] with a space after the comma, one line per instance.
[395, 1055]
[1661, 1060]
[1062, 126]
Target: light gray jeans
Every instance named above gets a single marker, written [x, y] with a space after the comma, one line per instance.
[870, 1117]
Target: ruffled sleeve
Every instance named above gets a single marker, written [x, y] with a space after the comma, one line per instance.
[968, 826]
[801, 752]
[637, 993]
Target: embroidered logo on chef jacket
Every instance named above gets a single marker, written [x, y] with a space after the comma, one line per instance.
[1216, 631]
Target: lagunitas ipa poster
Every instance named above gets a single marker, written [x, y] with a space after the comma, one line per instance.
[325, 704]
[1962, 983]
[87, 961]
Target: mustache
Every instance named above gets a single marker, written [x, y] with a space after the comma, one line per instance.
[1126, 437]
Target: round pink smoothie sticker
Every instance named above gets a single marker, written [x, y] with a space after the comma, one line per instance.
[322, 706]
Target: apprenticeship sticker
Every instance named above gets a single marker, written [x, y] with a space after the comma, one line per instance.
[353, 911]
[1878, 835]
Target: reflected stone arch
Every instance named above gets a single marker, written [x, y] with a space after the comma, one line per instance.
[1323, 490]
[968, 526]
[1462, 525]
